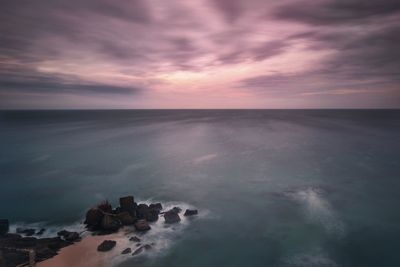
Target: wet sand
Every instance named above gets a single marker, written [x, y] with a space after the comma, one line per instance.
[85, 254]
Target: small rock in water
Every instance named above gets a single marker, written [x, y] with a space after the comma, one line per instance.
[106, 245]
[142, 225]
[41, 231]
[156, 206]
[176, 209]
[69, 236]
[137, 251]
[140, 250]
[126, 251]
[27, 232]
[134, 239]
[190, 212]
[4, 226]
[171, 217]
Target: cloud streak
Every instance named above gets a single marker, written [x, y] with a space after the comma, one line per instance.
[203, 54]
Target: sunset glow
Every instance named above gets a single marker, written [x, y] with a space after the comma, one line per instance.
[199, 54]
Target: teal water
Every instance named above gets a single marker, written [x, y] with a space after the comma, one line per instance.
[274, 187]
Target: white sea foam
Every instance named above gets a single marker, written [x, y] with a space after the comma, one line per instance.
[318, 210]
[161, 236]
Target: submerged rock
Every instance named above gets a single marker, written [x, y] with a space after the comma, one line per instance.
[69, 236]
[126, 251]
[27, 231]
[4, 226]
[134, 239]
[141, 249]
[41, 231]
[190, 212]
[106, 245]
[142, 225]
[171, 216]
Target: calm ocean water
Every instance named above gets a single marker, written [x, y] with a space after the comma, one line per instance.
[274, 187]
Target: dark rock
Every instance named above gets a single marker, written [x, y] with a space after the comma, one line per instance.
[110, 223]
[62, 233]
[106, 245]
[141, 211]
[141, 249]
[171, 217]
[190, 212]
[156, 206]
[72, 237]
[176, 209]
[127, 204]
[138, 244]
[94, 217]
[105, 206]
[142, 225]
[69, 236]
[134, 239]
[54, 243]
[137, 251]
[27, 232]
[126, 251]
[152, 215]
[41, 231]
[147, 247]
[126, 218]
[4, 226]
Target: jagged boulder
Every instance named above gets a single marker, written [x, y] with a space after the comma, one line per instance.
[189, 212]
[4, 226]
[94, 217]
[141, 211]
[126, 218]
[110, 223]
[152, 215]
[171, 216]
[156, 206]
[142, 225]
[127, 204]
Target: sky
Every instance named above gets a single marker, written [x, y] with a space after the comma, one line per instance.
[145, 54]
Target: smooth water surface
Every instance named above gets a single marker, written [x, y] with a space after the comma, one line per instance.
[274, 187]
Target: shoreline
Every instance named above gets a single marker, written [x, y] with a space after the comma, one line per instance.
[84, 253]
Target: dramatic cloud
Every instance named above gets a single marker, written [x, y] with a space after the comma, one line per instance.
[199, 54]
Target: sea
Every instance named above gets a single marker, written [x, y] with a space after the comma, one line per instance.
[280, 188]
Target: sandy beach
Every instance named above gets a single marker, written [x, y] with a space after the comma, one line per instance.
[85, 254]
